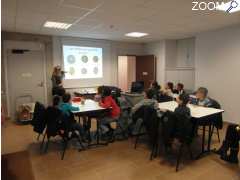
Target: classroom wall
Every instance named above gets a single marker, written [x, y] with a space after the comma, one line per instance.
[158, 49]
[217, 68]
[111, 51]
[180, 62]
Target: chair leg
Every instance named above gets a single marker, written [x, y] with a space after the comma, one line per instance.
[46, 147]
[38, 136]
[190, 151]
[42, 143]
[80, 142]
[219, 140]
[138, 135]
[154, 151]
[65, 144]
[179, 157]
[136, 141]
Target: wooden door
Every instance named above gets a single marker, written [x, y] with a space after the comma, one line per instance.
[146, 69]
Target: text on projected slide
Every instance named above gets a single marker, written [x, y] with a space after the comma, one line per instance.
[82, 62]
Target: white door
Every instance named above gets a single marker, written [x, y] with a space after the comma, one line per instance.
[25, 74]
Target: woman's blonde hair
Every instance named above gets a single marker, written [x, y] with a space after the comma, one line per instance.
[56, 70]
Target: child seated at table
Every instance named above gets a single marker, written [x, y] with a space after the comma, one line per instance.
[98, 96]
[202, 97]
[168, 89]
[156, 89]
[66, 107]
[147, 101]
[136, 122]
[179, 89]
[178, 124]
[109, 103]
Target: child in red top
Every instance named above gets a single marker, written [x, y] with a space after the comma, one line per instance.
[109, 102]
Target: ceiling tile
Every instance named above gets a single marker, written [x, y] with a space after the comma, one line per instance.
[85, 4]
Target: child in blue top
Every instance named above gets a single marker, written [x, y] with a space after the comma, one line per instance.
[66, 107]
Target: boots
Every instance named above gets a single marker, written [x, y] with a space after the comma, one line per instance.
[233, 157]
[222, 151]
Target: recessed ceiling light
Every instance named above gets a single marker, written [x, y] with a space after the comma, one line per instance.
[230, 7]
[136, 34]
[56, 25]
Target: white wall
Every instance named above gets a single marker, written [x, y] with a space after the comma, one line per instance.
[186, 53]
[171, 64]
[171, 53]
[218, 68]
[158, 49]
[111, 51]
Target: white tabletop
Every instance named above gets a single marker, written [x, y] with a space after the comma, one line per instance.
[87, 91]
[88, 106]
[196, 111]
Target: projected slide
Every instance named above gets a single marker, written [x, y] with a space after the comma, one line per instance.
[82, 62]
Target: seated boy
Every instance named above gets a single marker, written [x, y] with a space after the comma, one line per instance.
[202, 99]
[180, 89]
[147, 101]
[108, 102]
[66, 107]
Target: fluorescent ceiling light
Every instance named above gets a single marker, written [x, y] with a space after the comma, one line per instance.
[136, 34]
[56, 25]
[230, 7]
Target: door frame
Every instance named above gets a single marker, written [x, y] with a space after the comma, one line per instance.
[33, 46]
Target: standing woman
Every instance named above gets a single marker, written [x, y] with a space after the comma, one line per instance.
[57, 78]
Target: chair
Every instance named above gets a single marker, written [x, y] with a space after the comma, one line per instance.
[179, 127]
[133, 98]
[59, 125]
[123, 120]
[150, 122]
[164, 98]
[39, 120]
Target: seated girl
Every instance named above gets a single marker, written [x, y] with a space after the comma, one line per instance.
[108, 102]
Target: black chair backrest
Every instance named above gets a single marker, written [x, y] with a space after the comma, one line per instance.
[54, 118]
[217, 119]
[178, 126]
[39, 120]
[150, 121]
[164, 98]
[184, 127]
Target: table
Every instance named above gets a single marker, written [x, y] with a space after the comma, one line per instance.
[88, 93]
[198, 113]
[89, 109]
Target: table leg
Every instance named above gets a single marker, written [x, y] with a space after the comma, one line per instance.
[209, 137]
[98, 143]
[203, 143]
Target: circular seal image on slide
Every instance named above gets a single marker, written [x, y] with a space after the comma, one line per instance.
[71, 59]
[95, 59]
[84, 71]
[84, 59]
[71, 71]
[95, 70]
